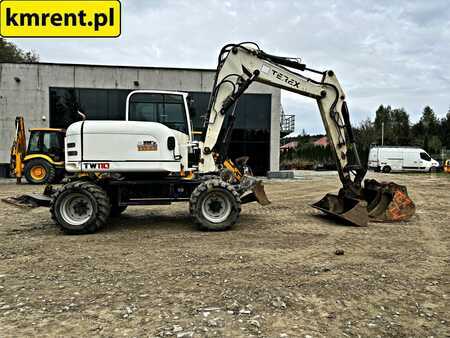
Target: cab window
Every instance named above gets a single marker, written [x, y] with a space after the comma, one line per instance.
[51, 143]
[425, 156]
[163, 108]
[33, 146]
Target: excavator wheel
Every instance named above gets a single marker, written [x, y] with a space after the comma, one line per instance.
[80, 207]
[215, 205]
[39, 171]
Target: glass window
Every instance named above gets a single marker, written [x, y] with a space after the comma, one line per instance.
[174, 116]
[166, 109]
[425, 157]
[33, 146]
[143, 111]
[51, 143]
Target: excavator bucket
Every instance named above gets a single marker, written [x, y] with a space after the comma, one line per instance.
[388, 201]
[381, 202]
[350, 210]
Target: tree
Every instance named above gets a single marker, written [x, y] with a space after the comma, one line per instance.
[434, 144]
[9, 52]
[396, 125]
[365, 135]
[426, 132]
[400, 127]
[429, 120]
[444, 130]
[383, 116]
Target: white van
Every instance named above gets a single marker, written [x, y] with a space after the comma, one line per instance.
[387, 159]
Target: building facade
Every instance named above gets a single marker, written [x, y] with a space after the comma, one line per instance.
[47, 95]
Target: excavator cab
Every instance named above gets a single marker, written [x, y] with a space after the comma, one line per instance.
[42, 161]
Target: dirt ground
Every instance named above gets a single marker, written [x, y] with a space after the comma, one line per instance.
[276, 274]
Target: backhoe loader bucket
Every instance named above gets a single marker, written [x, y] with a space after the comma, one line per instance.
[381, 202]
[351, 210]
[388, 201]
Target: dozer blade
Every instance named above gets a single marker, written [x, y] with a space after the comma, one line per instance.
[32, 200]
[388, 201]
[351, 210]
[29, 201]
[258, 194]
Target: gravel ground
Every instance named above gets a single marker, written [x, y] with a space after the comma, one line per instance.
[275, 274]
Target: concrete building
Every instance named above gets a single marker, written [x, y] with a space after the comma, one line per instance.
[35, 91]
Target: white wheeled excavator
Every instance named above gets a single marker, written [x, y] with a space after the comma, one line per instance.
[152, 158]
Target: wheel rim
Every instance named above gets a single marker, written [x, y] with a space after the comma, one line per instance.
[38, 172]
[76, 209]
[216, 207]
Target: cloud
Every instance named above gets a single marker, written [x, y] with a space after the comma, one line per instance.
[383, 52]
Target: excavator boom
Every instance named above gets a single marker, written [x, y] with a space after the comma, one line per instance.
[242, 64]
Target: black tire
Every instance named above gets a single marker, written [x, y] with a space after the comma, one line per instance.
[226, 200]
[60, 175]
[89, 196]
[48, 177]
[386, 169]
[117, 210]
[433, 170]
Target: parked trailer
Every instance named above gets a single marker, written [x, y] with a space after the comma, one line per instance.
[387, 159]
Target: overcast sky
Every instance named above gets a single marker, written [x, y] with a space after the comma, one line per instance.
[383, 52]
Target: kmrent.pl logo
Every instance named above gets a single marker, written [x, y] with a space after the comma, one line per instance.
[69, 18]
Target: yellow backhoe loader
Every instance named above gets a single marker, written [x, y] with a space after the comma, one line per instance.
[42, 161]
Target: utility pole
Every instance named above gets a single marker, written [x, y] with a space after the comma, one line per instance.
[382, 133]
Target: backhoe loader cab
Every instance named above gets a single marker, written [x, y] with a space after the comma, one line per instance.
[42, 161]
